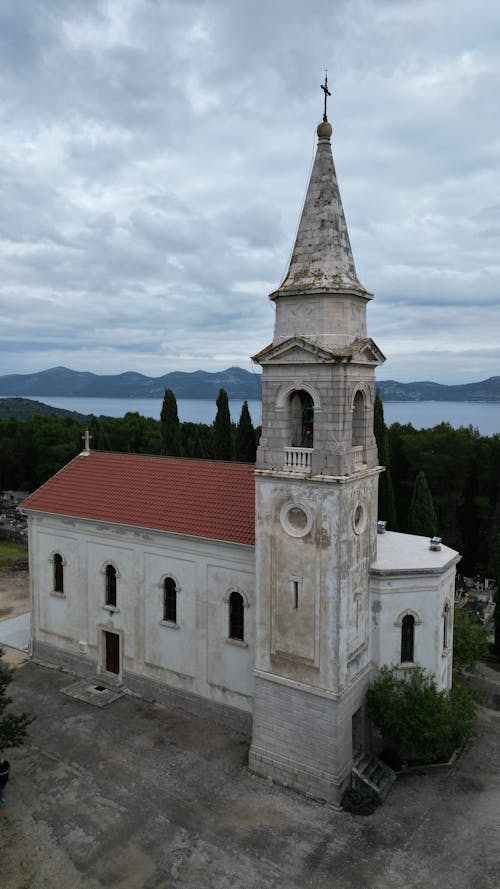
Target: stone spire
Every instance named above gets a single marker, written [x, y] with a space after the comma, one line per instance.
[322, 258]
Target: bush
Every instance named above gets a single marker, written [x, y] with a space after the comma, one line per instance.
[13, 727]
[360, 800]
[424, 724]
[470, 641]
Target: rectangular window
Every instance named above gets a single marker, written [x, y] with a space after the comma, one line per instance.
[295, 589]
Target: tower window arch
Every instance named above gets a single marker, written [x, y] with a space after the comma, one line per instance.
[358, 420]
[58, 564]
[110, 586]
[301, 419]
[170, 600]
[407, 639]
[236, 616]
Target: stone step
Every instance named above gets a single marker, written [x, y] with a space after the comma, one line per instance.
[374, 773]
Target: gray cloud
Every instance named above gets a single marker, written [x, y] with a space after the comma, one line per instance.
[154, 157]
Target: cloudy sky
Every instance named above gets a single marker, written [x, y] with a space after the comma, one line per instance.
[154, 156]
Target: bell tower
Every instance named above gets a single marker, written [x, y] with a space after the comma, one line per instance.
[316, 505]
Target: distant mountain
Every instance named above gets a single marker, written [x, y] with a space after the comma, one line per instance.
[237, 382]
[487, 390]
[24, 409]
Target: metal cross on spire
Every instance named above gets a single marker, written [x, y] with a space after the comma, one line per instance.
[324, 87]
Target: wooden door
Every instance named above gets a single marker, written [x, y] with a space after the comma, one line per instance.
[112, 652]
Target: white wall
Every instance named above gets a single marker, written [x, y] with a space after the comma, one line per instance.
[195, 654]
[424, 596]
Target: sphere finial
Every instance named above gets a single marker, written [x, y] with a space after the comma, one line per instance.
[324, 130]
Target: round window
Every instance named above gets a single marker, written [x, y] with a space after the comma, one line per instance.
[359, 518]
[295, 519]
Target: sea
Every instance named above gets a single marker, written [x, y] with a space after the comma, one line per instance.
[485, 417]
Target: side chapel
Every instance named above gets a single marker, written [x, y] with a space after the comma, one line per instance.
[267, 595]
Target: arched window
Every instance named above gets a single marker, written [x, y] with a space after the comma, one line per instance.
[111, 585]
[407, 638]
[446, 619]
[236, 617]
[58, 573]
[169, 600]
[302, 419]
[358, 420]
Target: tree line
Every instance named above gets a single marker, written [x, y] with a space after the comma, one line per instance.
[33, 449]
[440, 480]
[443, 481]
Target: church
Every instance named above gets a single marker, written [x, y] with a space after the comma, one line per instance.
[266, 595]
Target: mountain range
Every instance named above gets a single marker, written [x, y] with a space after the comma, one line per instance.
[237, 382]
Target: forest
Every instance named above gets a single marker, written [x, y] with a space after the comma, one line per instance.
[456, 471]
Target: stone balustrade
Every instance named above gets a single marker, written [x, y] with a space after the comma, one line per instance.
[358, 457]
[298, 459]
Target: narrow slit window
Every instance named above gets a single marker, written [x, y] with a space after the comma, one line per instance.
[407, 639]
[111, 586]
[295, 593]
[58, 574]
[169, 600]
[236, 617]
[446, 616]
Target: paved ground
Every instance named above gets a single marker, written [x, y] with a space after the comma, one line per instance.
[15, 631]
[138, 796]
[14, 592]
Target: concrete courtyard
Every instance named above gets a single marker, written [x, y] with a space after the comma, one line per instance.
[139, 796]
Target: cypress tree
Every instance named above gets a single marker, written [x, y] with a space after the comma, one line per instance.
[421, 516]
[170, 426]
[222, 428]
[386, 502]
[245, 437]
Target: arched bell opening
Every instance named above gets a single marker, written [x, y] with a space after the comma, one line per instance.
[359, 430]
[298, 453]
[302, 419]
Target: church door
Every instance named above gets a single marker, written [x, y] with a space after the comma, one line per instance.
[112, 652]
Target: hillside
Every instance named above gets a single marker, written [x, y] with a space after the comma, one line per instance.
[24, 409]
[486, 390]
[237, 382]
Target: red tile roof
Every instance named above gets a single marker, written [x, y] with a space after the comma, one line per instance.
[202, 498]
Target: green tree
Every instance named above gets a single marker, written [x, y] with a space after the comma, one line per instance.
[470, 641]
[421, 516]
[13, 727]
[495, 571]
[245, 437]
[422, 723]
[170, 427]
[222, 428]
[386, 502]
[496, 619]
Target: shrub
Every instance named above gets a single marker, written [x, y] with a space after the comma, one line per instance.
[470, 641]
[13, 727]
[360, 800]
[424, 724]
